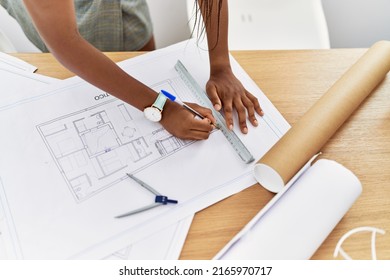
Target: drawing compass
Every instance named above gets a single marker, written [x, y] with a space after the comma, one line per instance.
[158, 201]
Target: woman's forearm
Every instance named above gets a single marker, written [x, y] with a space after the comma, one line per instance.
[93, 66]
[56, 23]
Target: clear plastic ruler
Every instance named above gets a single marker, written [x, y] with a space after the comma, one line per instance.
[204, 100]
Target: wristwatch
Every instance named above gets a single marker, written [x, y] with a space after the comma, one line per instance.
[154, 112]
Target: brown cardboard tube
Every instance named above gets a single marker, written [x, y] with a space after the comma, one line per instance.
[323, 119]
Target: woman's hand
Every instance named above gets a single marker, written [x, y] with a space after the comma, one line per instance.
[226, 91]
[182, 123]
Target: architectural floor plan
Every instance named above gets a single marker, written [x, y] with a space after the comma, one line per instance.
[67, 150]
[92, 147]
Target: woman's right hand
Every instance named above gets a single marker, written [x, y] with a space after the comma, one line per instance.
[182, 123]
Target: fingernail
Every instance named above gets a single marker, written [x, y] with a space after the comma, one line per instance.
[217, 107]
[261, 113]
[245, 130]
[231, 127]
[255, 122]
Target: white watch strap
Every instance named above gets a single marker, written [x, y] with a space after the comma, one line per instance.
[160, 101]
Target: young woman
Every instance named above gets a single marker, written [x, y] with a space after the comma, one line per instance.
[76, 31]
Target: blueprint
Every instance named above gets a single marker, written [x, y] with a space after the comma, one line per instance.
[66, 153]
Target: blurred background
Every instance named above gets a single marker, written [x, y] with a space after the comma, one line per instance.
[357, 23]
[260, 24]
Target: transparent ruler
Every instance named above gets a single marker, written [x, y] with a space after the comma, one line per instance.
[204, 100]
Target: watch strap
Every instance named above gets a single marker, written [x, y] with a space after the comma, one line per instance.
[160, 101]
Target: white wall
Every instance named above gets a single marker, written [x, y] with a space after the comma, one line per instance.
[357, 23]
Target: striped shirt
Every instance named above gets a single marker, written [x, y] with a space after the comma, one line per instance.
[110, 25]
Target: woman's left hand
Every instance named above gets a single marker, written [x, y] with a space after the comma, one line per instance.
[226, 92]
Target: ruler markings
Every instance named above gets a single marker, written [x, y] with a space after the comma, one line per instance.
[203, 99]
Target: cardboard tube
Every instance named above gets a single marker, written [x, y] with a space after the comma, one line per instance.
[324, 118]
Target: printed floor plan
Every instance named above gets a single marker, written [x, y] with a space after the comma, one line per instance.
[94, 146]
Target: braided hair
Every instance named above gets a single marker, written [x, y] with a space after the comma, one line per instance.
[205, 8]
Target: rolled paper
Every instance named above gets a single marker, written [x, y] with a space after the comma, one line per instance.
[295, 223]
[323, 119]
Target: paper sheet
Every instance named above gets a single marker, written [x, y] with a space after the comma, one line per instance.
[17, 86]
[313, 130]
[74, 145]
[163, 245]
[298, 219]
[13, 63]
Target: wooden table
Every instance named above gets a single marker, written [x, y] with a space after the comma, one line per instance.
[293, 81]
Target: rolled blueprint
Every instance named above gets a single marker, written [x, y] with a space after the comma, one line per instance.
[324, 118]
[295, 223]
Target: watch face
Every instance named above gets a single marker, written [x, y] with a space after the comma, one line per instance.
[153, 114]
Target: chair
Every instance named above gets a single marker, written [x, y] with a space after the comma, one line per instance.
[5, 44]
[274, 24]
[170, 22]
[12, 37]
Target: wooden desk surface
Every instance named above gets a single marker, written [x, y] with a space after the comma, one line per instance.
[293, 81]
